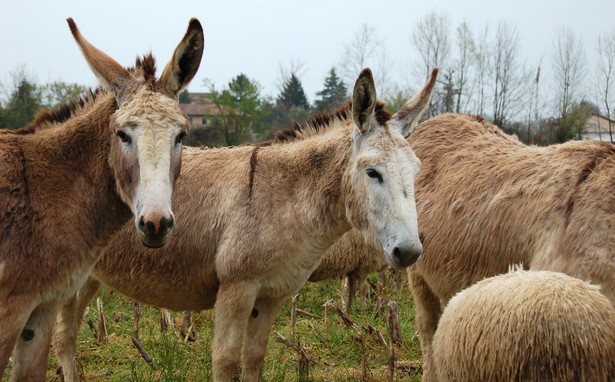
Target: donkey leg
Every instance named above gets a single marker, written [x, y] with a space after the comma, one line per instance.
[68, 323]
[257, 335]
[13, 318]
[352, 291]
[344, 293]
[8, 339]
[363, 292]
[32, 348]
[427, 314]
[234, 303]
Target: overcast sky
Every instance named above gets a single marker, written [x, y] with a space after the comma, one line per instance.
[256, 37]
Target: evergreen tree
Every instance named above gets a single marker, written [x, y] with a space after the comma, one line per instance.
[240, 109]
[3, 123]
[184, 96]
[21, 106]
[571, 124]
[293, 95]
[291, 104]
[334, 93]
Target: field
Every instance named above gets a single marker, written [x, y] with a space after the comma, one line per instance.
[351, 351]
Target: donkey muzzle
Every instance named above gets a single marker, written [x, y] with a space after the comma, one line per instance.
[154, 230]
[406, 254]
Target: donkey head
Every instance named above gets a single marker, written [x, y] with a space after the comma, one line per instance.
[382, 172]
[147, 128]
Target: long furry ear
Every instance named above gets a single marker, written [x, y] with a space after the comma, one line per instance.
[364, 100]
[408, 116]
[185, 61]
[111, 75]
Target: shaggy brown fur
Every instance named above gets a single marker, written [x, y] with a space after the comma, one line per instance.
[527, 326]
[350, 257]
[60, 202]
[250, 232]
[487, 201]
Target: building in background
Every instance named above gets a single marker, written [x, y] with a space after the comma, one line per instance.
[597, 128]
[200, 110]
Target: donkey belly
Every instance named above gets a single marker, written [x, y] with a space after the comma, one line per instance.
[168, 294]
[186, 289]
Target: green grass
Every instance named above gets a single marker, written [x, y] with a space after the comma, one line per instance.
[336, 357]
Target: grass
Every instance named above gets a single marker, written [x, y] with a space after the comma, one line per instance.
[345, 354]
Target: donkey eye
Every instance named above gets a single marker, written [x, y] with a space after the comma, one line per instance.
[123, 136]
[180, 137]
[374, 174]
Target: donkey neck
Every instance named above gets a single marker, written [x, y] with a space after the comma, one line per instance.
[68, 168]
[308, 174]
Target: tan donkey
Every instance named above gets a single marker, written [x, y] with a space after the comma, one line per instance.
[72, 179]
[254, 222]
[486, 202]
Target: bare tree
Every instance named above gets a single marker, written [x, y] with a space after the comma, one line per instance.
[605, 73]
[533, 104]
[509, 76]
[431, 38]
[366, 49]
[356, 53]
[466, 48]
[568, 69]
[481, 58]
[384, 85]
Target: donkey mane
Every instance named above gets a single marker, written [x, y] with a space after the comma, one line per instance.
[145, 67]
[324, 119]
[312, 127]
[46, 118]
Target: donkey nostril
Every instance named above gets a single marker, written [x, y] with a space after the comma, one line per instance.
[396, 253]
[406, 256]
[165, 224]
[142, 223]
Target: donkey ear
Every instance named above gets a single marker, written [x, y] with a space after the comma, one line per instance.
[185, 61]
[364, 100]
[409, 115]
[111, 75]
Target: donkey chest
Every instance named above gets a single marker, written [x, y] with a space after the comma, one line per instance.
[289, 275]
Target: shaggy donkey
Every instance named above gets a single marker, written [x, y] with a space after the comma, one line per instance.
[73, 178]
[486, 201]
[254, 222]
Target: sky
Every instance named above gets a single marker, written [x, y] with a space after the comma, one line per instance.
[258, 38]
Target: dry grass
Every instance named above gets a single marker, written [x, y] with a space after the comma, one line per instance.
[351, 351]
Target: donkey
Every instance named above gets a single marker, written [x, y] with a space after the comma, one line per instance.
[351, 259]
[486, 201]
[72, 179]
[255, 220]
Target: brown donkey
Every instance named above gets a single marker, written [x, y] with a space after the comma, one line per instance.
[486, 201]
[255, 220]
[71, 179]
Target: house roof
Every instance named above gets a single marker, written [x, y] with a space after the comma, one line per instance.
[198, 110]
[200, 105]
